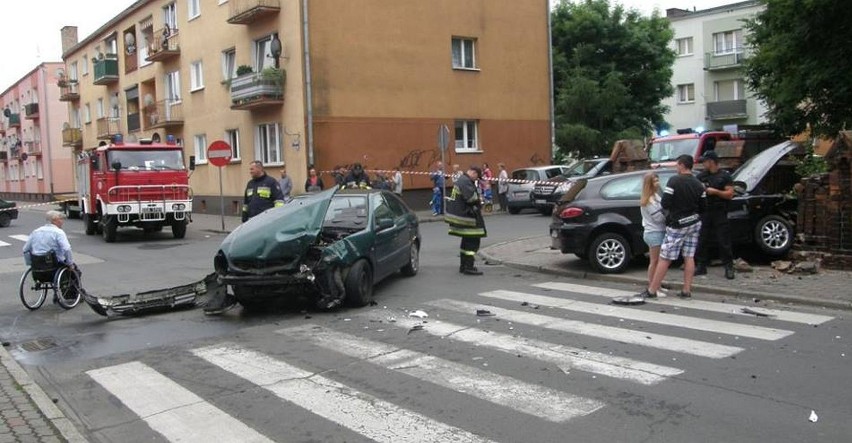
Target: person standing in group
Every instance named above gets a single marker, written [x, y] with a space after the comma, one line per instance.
[457, 172]
[653, 220]
[339, 175]
[397, 181]
[465, 219]
[503, 187]
[262, 192]
[684, 201]
[314, 182]
[286, 184]
[485, 184]
[437, 178]
[720, 190]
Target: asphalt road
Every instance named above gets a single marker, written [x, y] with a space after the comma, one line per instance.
[556, 363]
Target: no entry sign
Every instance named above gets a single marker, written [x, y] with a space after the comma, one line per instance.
[219, 153]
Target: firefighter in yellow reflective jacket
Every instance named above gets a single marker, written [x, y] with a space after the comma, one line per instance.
[464, 216]
[262, 192]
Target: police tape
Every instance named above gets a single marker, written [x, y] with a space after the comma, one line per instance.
[446, 176]
[55, 202]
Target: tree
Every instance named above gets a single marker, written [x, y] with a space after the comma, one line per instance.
[612, 69]
[802, 56]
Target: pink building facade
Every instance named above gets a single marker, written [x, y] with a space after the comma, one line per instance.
[34, 164]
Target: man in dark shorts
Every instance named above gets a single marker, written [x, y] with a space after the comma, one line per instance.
[714, 221]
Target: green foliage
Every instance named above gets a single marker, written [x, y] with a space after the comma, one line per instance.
[612, 69]
[802, 56]
[243, 70]
[278, 76]
[811, 164]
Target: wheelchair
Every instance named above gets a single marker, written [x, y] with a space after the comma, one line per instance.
[48, 275]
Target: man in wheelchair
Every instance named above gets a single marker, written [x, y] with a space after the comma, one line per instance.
[48, 248]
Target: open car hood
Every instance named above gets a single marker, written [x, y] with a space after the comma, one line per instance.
[278, 238]
[753, 170]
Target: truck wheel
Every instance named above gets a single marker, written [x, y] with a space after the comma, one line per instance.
[609, 253]
[89, 222]
[359, 284]
[5, 219]
[109, 228]
[179, 228]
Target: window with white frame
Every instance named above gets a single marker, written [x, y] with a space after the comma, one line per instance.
[229, 64]
[170, 16]
[99, 109]
[686, 93]
[200, 148]
[267, 146]
[464, 53]
[684, 46]
[728, 42]
[726, 90]
[75, 117]
[39, 172]
[87, 114]
[232, 136]
[84, 65]
[467, 137]
[263, 53]
[193, 8]
[173, 86]
[196, 76]
[72, 71]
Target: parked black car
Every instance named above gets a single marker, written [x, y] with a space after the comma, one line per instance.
[546, 195]
[8, 212]
[599, 219]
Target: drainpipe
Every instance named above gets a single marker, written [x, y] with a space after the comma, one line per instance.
[306, 44]
[550, 70]
[47, 167]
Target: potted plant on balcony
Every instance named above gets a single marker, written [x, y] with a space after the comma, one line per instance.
[274, 75]
[243, 70]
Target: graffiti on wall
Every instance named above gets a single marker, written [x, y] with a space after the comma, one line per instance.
[419, 159]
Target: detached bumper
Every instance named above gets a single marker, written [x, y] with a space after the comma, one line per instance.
[158, 300]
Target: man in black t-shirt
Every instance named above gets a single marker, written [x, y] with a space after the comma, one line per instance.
[720, 190]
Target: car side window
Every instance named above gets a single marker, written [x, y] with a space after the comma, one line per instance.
[627, 188]
[382, 209]
[552, 172]
[520, 175]
[395, 205]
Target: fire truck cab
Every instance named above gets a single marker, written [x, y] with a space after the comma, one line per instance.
[665, 150]
[142, 184]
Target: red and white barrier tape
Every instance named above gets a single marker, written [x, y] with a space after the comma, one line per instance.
[55, 202]
[492, 179]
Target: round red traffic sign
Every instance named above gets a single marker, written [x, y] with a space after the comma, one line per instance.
[219, 153]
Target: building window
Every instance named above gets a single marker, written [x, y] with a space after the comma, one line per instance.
[232, 136]
[268, 144]
[173, 86]
[193, 8]
[170, 16]
[87, 114]
[111, 44]
[229, 64]
[75, 117]
[196, 78]
[85, 65]
[728, 42]
[686, 93]
[200, 148]
[72, 71]
[729, 90]
[464, 53]
[100, 108]
[39, 172]
[684, 46]
[263, 54]
[467, 135]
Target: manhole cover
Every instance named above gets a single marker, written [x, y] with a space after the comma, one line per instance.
[38, 345]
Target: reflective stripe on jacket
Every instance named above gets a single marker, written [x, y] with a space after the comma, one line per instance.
[462, 213]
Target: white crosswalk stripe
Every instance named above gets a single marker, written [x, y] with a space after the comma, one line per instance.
[726, 308]
[369, 416]
[20, 237]
[682, 321]
[2, 243]
[544, 403]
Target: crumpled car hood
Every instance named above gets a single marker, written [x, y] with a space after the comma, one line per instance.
[753, 170]
[278, 238]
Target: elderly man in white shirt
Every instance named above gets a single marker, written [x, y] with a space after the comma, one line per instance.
[50, 237]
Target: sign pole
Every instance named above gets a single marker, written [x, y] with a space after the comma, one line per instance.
[221, 200]
[219, 155]
[443, 140]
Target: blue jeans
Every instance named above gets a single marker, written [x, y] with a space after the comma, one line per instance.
[437, 200]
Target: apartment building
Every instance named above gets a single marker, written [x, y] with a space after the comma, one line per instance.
[710, 89]
[34, 166]
[319, 83]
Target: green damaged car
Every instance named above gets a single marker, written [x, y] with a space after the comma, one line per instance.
[332, 246]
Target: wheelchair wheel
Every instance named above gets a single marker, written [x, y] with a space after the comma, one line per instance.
[67, 288]
[32, 293]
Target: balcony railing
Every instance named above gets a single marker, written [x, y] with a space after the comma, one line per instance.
[252, 91]
[163, 46]
[133, 122]
[4, 156]
[106, 70]
[15, 120]
[31, 111]
[244, 12]
[69, 91]
[164, 114]
[716, 61]
[108, 127]
[72, 137]
[32, 147]
[727, 110]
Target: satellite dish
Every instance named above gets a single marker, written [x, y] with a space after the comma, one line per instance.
[60, 74]
[66, 125]
[7, 112]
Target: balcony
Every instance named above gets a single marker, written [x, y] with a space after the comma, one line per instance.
[164, 114]
[727, 110]
[106, 70]
[31, 111]
[4, 156]
[246, 12]
[163, 47]
[69, 91]
[714, 61]
[32, 147]
[72, 137]
[14, 121]
[252, 91]
[108, 127]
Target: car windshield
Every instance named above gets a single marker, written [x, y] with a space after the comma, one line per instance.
[581, 168]
[347, 211]
[668, 150]
[147, 160]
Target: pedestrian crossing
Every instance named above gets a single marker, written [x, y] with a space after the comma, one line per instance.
[316, 381]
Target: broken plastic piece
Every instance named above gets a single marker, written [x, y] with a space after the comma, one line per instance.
[754, 312]
[484, 313]
[629, 300]
[415, 328]
[813, 417]
[418, 314]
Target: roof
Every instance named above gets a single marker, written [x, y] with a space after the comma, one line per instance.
[106, 27]
[683, 14]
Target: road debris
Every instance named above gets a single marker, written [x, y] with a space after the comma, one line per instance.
[741, 265]
[415, 328]
[629, 300]
[418, 314]
[754, 312]
[813, 417]
[484, 313]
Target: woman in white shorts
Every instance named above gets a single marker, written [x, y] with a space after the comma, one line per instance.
[653, 219]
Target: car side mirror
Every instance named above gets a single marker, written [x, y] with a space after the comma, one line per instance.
[384, 223]
[116, 166]
[740, 188]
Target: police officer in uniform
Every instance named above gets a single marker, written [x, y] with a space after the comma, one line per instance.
[719, 187]
[465, 218]
[262, 192]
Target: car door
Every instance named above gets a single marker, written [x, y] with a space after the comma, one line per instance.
[387, 237]
[406, 230]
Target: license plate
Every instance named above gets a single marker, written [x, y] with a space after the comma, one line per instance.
[540, 201]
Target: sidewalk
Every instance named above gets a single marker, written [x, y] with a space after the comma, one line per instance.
[824, 289]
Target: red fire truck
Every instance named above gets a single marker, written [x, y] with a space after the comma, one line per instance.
[142, 184]
[744, 143]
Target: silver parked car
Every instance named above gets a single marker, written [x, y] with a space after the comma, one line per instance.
[520, 194]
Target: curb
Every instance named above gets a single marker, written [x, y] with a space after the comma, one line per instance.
[668, 284]
[40, 398]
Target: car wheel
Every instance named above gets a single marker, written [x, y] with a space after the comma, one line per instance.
[89, 222]
[179, 229]
[5, 219]
[410, 270]
[545, 211]
[514, 211]
[774, 235]
[359, 284]
[609, 253]
[109, 228]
